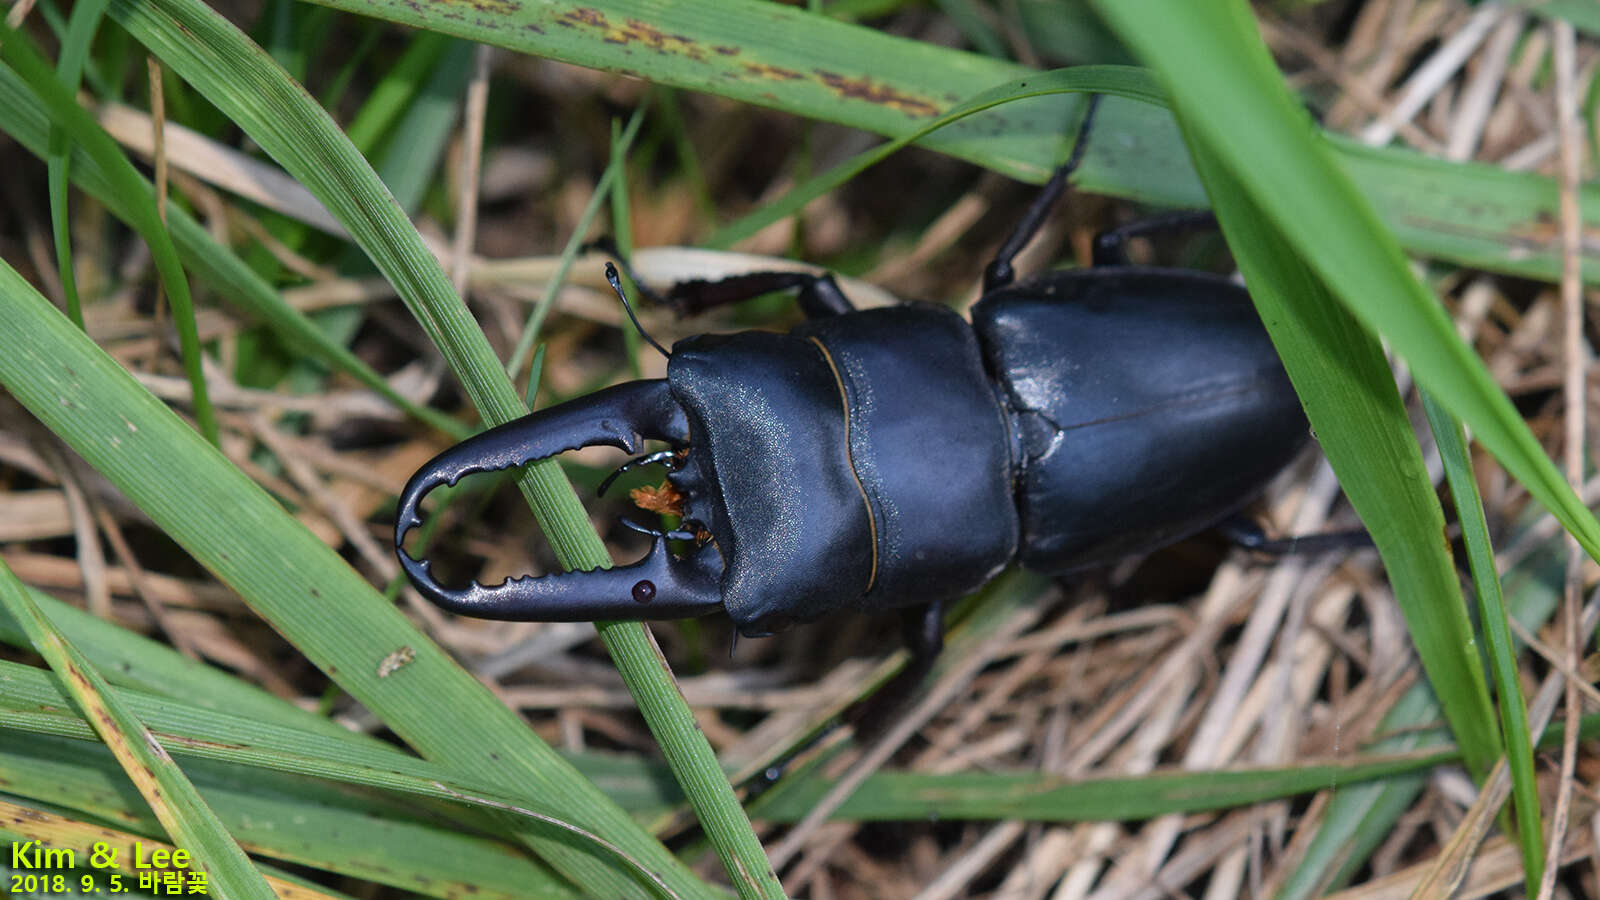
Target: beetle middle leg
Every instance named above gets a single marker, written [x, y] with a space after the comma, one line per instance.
[923, 628]
[1111, 247]
[1248, 534]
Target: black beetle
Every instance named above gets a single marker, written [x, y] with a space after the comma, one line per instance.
[897, 457]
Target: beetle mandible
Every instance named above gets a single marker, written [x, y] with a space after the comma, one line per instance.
[892, 458]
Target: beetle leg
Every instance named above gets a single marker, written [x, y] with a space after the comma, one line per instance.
[923, 627]
[1111, 247]
[660, 586]
[1247, 533]
[819, 297]
[999, 273]
[649, 459]
[924, 631]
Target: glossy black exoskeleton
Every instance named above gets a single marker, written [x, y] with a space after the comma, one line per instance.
[897, 457]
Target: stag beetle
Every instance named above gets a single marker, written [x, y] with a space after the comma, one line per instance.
[894, 458]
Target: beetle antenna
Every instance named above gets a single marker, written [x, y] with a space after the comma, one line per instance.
[608, 245]
[648, 459]
[616, 285]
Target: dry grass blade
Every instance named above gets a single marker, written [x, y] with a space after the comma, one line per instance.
[1576, 384]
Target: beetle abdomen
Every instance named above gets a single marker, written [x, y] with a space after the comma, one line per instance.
[1149, 404]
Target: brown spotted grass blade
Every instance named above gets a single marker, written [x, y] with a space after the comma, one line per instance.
[171, 797]
[860, 77]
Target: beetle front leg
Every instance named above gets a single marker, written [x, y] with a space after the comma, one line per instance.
[819, 297]
[999, 272]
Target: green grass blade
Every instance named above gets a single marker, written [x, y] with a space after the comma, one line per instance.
[393, 93]
[31, 701]
[132, 660]
[692, 171]
[175, 802]
[1215, 66]
[30, 705]
[59, 25]
[1121, 81]
[747, 51]
[1470, 213]
[1343, 380]
[913, 796]
[408, 156]
[81, 28]
[83, 839]
[335, 91]
[1358, 819]
[602, 191]
[291, 819]
[18, 53]
[1497, 634]
[25, 118]
[301, 587]
[967, 19]
[1583, 14]
[639, 662]
[278, 114]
